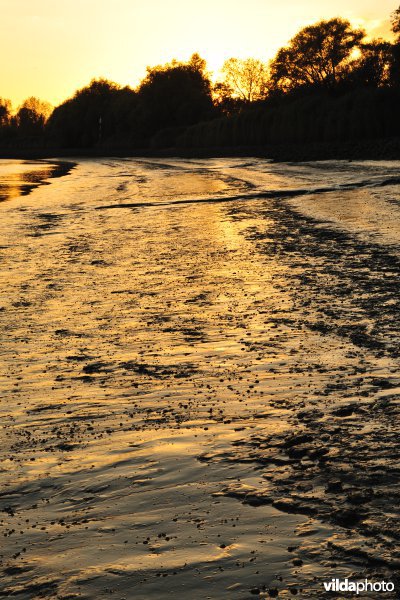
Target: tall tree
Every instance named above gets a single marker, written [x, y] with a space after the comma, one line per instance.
[96, 113]
[245, 78]
[5, 112]
[373, 67]
[395, 67]
[31, 117]
[395, 20]
[224, 99]
[175, 94]
[318, 56]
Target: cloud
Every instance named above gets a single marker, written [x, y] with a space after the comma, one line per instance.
[375, 28]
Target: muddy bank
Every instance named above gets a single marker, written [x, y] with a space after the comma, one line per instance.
[338, 459]
[200, 399]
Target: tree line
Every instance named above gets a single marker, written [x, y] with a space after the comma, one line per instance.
[330, 83]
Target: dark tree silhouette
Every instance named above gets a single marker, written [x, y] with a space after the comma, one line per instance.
[31, 117]
[97, 113]
[395, 67]
[318, 56]
[104, 114]
[175, 95]
[5, 112]
[223, 99]
[327, 85]
[395, 20]
[373, 67]
[5, 120]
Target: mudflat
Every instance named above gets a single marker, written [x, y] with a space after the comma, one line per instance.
[200, 378]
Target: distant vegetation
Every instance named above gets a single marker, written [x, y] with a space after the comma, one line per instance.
[329, 84]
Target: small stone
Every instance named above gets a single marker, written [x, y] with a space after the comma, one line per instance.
[296, 440]
[347, 518]
[344, 411]
[334, 487]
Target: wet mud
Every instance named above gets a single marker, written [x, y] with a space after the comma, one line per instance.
[337, 461]
[199, 400]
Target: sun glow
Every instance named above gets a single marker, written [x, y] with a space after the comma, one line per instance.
[58, 47]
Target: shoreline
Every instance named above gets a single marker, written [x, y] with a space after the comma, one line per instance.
[380, 149]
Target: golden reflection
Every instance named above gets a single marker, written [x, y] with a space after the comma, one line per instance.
[19, 178]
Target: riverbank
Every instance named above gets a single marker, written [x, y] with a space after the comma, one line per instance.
[380, 149]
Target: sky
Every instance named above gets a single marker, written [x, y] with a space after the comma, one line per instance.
[50, 48]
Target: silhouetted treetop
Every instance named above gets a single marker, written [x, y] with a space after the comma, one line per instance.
[175, 94]
[96, 112]
[326, 84]
[395, 67]
[317, 56]
[395, 20]
[224, 99]
[37, 106]
[32, 116]
[5, 112]
[373, 67]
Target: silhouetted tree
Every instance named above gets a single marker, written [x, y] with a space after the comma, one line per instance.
[245, 79]
[326, 85]
[373, 67]
[31, 117]
[103, 113]
[174, 95]
[395, 20]
[5, 119]
[318, 56]
[395, 67]
[5, 112]
[99, 112]
[223, 99]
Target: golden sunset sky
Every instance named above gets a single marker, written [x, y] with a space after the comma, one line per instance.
[49, 48]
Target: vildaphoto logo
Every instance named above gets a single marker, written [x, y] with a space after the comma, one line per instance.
[345, 585]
